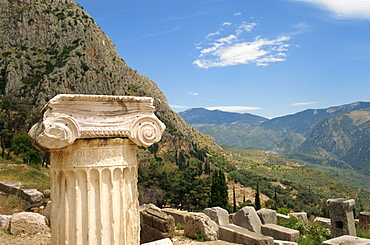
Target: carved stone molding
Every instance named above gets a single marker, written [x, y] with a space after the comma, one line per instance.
[68, 117]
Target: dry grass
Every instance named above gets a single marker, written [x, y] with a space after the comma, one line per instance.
[10, 204]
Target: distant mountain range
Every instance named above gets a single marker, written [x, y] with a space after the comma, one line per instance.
[337, 136]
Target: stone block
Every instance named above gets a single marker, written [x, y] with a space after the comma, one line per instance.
[155, 224]
[279, 242]
[218, 215]
[10, 186]
[178, 215]
[236, 234]
[341, 217]
[282, 217]
[346, 239]
[364, 221]
[30, 223]
[247, 217]
[165, 241]
[322, 222]
[32, 196]
[302, 216]
[199, 224]
[267, 216]
[279, 232]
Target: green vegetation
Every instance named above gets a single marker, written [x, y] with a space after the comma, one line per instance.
[295, 188]
[309, 234]
[27, 175]
[16, 118]
[219, 194]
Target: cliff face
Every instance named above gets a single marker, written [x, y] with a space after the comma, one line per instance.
[53, 47]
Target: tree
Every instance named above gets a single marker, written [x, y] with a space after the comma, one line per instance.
[16, 117]
[234, 199]
[219, 193]
[23, 147]
[257, 200]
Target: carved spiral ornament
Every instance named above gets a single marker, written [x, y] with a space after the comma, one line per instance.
[57, 133]
[146, 131]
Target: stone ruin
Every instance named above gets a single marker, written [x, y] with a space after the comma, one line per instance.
[341, 217]
[92, 142]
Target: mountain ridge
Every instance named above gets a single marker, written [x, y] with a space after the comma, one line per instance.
[337, 135]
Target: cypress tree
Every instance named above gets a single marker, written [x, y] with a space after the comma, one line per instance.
[234, 199]
[257, 200]
[219, 194]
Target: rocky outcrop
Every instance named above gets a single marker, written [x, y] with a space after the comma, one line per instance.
[53, 47]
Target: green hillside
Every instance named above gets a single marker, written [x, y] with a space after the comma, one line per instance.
[296, 186]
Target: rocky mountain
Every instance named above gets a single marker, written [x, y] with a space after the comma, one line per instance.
[336, 136]
[343, 139]
[201, 116]
[53, 47]
[303, 122]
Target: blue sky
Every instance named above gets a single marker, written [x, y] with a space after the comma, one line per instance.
[265, 57]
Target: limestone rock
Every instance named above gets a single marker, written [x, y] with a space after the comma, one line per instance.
[4, 221]
[302, 216]
[364, 221]
[247, 217]
[165, 241]
[279, 232]
[236, 234]
[279, 242]
[199, 224]
[341, 216]
[10, 186]
[30, 223]
[155, 224]
[282, 217]
[322, 222]
[267, 216]
[46, 193]
[47, 211]
[32, 196]
[346, 239]
[178, 215]
[218, 215]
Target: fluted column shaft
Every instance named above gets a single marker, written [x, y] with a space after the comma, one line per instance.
[94, 193]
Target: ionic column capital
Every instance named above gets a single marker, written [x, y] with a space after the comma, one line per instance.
[68, 117]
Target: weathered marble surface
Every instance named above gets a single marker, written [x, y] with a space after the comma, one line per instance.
[92, 141]
[69, 117]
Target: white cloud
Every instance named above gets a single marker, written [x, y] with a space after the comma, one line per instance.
[304, 103]
[247, 26]
[178, 106]
[234, 50]
[192, 93]
[226, 53]
[344, 9]
[227, 24]
[213, 34]
[233, 108]
[236, 14]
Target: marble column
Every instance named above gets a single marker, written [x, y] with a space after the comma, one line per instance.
[92, 142]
